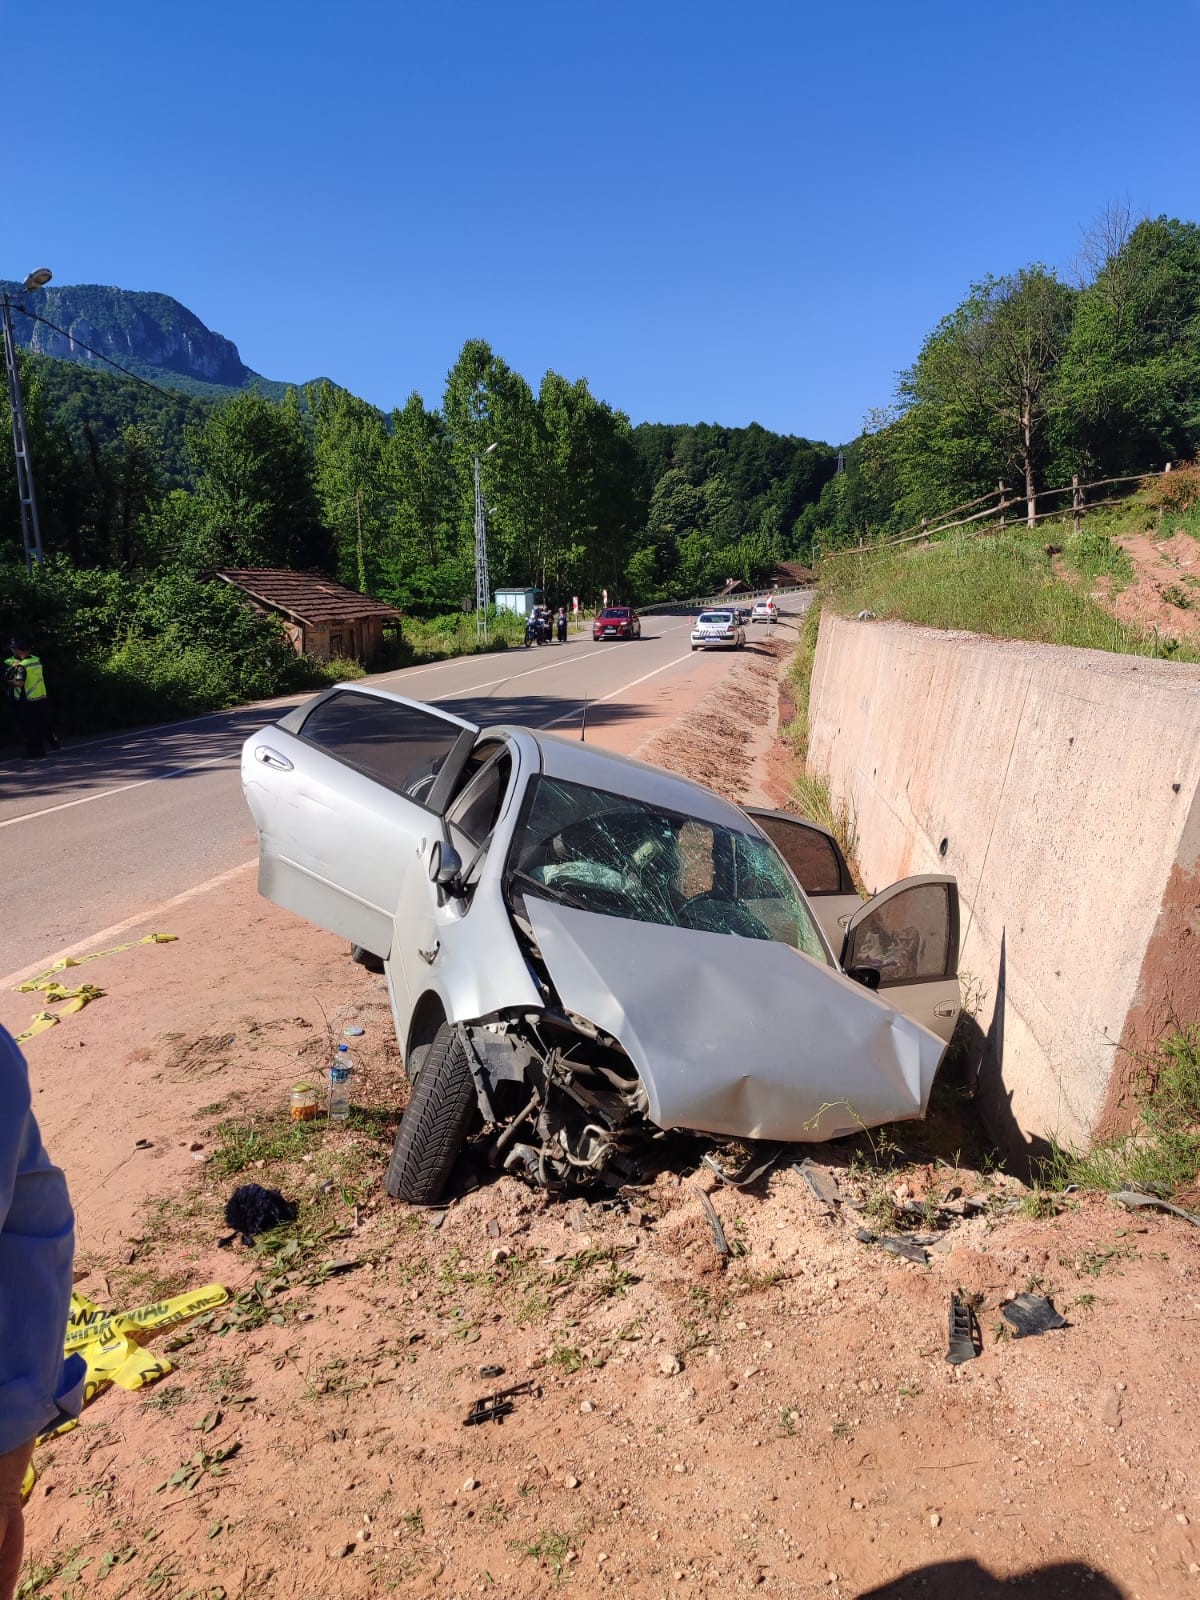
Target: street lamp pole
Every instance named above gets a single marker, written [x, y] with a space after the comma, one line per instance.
[483, 592]
[31, 528]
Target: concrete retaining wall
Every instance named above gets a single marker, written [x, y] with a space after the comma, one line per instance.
[1062, 788]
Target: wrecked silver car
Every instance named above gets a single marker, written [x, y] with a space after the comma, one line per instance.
[589, 953]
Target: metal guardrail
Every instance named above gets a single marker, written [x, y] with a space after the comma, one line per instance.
[702, 602]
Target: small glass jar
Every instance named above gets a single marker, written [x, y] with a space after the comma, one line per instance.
[305, 1099]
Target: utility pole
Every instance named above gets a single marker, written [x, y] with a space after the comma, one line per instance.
[483, 591]
[31, 531]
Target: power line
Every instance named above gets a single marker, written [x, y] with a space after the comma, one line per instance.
[171, 394]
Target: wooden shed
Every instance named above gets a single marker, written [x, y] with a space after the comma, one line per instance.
[322, 618]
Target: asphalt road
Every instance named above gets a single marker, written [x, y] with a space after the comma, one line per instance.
[111, 828]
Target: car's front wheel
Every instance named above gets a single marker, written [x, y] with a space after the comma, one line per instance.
[435, 1123]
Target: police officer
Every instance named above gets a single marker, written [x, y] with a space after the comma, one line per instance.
[25, 686]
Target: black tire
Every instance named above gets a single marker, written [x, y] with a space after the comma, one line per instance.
[366, 958]
[435, 1123]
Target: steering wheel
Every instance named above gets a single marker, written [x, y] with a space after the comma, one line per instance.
[710, 913]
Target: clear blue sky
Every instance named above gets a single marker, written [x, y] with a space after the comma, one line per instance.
[724, 212]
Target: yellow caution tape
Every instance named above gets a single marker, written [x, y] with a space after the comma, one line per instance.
[78, 961]
[110, 1345]
[71, 1000]
[39, 1022]
[28, 1481]
[88, 1325]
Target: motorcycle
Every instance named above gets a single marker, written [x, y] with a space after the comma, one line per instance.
[536, 631]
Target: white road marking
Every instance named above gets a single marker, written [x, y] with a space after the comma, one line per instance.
[103, 794]
[118, 928]
[613, 695]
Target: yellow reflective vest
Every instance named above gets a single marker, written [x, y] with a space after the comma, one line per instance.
[26, 679]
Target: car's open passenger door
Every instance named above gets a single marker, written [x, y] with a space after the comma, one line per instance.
[344, 790]
[819, 867]
[909, 935]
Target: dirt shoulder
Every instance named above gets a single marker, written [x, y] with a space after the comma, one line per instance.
[777, 1420]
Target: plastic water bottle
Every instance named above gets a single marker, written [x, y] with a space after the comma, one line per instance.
[341, 1070]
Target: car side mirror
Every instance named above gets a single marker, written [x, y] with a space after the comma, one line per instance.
[445, 867]
[867, 976]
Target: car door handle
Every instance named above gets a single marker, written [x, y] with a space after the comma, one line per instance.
[271, 758]
[947, 1008]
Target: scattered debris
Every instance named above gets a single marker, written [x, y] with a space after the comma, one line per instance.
[1135, 1200]
[823, 1184]
[491, 1372]
[909, 1249]
[1028, 1314]
[495, 1407]
[759, 1162]
[714, 1222]
[252, 1209]
[966, 1341]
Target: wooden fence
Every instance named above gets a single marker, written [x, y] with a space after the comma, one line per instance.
[997, 507]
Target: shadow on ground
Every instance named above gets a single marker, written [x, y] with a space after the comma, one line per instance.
[171, 752]
[967, 1580]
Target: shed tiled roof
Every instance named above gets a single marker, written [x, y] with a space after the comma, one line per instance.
[792, 572]
[305, 596]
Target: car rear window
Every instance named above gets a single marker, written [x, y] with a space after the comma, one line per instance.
[400, 745]
[712, 619]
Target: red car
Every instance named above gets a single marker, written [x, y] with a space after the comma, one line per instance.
[617, 622]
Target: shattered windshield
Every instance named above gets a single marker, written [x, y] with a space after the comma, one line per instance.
[610, 853]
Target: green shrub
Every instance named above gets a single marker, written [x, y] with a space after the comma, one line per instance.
[1173, 491]
[1162, 1151]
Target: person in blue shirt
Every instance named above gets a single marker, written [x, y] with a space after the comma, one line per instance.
[38, 1387]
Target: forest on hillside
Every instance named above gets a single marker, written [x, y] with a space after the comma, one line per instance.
[144, 491]
[1032, 379]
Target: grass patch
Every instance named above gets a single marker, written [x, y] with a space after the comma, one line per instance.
[1002, 584]
[242, 1144]
[800, 675]
[455, 634]
[550, 1546]
[1161, 1153]
[1093, 554]
[814, 799]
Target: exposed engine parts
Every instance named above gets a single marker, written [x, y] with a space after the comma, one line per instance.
[563, 1099]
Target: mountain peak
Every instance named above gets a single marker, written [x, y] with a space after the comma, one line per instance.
[147, 332]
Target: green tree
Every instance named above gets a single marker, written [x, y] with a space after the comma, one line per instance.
[979, 393]
[255, 497]
[352, 481]
[1127, 394]
[426, 561]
